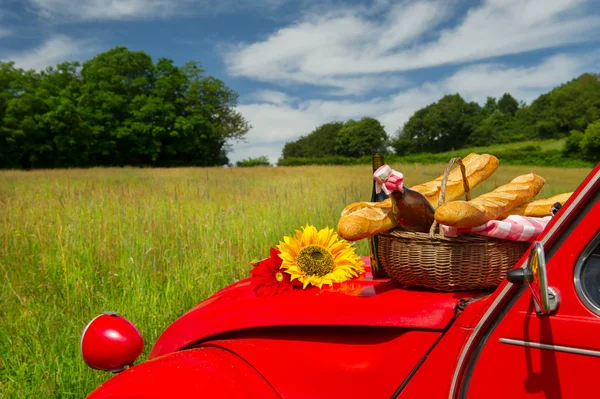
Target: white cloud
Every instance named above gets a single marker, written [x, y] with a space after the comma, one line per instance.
[349, 49]
[100, 9]
[477, 81]
[57, 49]
[277, 122]
[321, 50]
[272, 151]
[88, 10]
[355, 50]
[272, 122]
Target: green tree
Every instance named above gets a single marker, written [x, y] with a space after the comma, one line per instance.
[441, 126]
[295, 149]
[119, 109]
[321, 142]
[570, 106]
[40, 120]
[11, 137]
[116, 86]
[508, 104]
[572, 148]
[215, 120]
[491, 130]
[490, 106]
[318, 144]
[360, 138]
[590, 144]
[402, 143]
[61, 119]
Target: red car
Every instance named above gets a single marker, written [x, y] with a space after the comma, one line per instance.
[536, 336]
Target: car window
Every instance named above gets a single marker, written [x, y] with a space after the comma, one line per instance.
[587, 276]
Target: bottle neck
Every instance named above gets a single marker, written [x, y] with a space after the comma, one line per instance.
[397, 194]
[377, 161]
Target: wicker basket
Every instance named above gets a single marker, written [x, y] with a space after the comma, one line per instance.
[432, 260]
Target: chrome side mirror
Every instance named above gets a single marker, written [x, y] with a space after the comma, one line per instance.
[534, 275]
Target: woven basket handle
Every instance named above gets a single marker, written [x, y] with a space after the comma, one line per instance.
[442, 198]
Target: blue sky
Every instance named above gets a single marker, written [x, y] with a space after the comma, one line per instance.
[298, 64]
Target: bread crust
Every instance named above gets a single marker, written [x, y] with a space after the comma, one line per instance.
[489, 206]
[538, 208]
[365, 219]
[362, 220]
[356, 206]
[477, 169]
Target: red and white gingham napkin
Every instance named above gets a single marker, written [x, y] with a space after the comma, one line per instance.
[514, 227]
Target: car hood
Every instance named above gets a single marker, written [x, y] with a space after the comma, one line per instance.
[362, 301]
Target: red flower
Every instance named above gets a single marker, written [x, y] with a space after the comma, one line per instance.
[268, 277]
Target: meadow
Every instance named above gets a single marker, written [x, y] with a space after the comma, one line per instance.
[151, 243]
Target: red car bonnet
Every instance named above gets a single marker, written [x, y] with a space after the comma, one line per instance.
[376, 303]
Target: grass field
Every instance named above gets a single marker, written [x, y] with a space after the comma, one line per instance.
[150, 244]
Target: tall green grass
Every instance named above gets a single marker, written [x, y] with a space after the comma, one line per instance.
[151, 243]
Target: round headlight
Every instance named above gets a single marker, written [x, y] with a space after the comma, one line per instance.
[110, 342]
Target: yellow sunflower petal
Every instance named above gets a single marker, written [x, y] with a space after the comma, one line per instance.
[346, 263]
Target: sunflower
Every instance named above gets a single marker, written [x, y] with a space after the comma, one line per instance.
[319, 258]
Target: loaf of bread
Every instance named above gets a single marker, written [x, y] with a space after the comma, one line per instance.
[365, 219]
[477, 169]
[538, 208]
[489, 206]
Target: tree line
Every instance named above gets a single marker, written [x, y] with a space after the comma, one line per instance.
[121, 108]
[118, 108]
[348, 139]
[571, 110]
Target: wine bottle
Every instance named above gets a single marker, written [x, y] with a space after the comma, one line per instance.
[410, 207]
[377, 163]
[376, 196]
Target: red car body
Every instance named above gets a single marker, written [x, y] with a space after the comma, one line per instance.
[372, 339]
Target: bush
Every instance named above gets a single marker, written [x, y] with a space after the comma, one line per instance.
[403, 146]
[534, 155]
[572, 148]
[260, 161]
[527, 154]
[547, 129]
[590, 144]
[333, 160]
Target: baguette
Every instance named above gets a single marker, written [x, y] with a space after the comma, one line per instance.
[477, 169]
[489, 206]
[538, 208]
[365, 219]
[364, 204]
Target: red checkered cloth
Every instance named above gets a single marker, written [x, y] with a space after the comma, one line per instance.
[514, 227]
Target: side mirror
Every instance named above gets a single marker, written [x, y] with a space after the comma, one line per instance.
[534, 275]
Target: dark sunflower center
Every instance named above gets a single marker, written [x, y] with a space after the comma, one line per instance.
[315, 260]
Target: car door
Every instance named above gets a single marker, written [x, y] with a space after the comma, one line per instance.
[519, 353]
